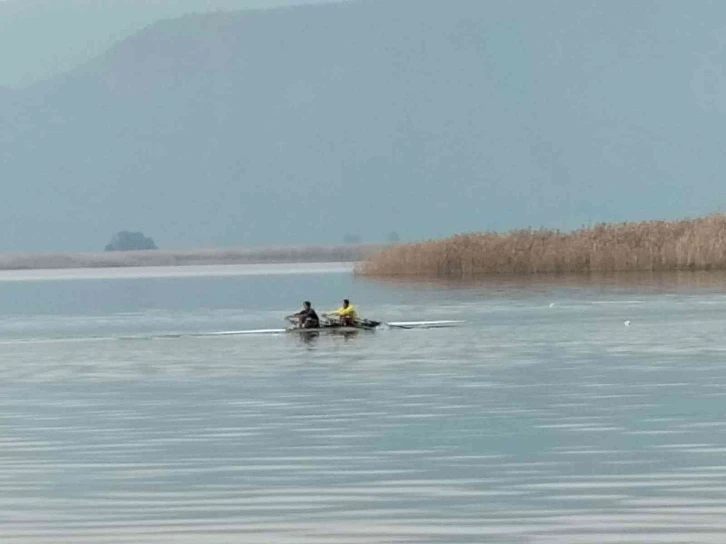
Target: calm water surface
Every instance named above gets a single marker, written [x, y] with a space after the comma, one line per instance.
[545, 418]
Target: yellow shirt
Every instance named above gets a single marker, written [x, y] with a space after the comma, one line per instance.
[346, 312]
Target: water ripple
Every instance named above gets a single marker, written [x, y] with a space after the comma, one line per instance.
[519, 428]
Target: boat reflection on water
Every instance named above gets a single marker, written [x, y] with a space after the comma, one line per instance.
[310, 337]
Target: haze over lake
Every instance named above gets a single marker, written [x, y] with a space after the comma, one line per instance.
[169, 404]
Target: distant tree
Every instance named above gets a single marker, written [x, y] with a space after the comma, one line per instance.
[393, 237]
[351, 239]
[130, 241]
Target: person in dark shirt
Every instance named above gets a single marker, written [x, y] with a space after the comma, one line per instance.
[307, 318]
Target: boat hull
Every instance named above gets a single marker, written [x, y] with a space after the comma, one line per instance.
[330, 330]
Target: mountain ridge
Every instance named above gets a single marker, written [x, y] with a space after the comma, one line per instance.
[82, 29]
[305, 124]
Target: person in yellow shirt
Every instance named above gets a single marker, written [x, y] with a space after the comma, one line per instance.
[346, 313]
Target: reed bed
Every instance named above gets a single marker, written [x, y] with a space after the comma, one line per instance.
[689, 244]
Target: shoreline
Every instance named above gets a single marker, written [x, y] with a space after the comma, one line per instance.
[303, 254]
[189, 271]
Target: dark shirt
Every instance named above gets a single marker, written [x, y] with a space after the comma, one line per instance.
[307, 314]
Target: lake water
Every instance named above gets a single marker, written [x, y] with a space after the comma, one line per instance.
[560, 412]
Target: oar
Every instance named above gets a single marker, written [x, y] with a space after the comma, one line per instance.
[424, 324]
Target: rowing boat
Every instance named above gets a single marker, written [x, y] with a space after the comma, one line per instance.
[328, 324]
[393, 325]
[329, 330]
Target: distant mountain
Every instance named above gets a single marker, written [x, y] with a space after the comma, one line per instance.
[6, 93]
[42, 38]
[306, 124]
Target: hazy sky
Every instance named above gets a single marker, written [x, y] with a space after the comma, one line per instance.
[41, 38]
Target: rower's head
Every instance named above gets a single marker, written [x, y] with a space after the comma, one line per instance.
[306, 304]
[346, 303]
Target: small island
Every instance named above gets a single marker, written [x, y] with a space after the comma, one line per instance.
[649, 246]
[130, 241]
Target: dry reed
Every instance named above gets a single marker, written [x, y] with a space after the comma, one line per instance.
[689, 244]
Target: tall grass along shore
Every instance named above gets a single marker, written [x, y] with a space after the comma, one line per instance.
[689, 244]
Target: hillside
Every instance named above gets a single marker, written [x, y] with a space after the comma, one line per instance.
[429, 118]
[40, 39]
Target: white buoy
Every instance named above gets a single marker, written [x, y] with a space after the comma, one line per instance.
[627, 323]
